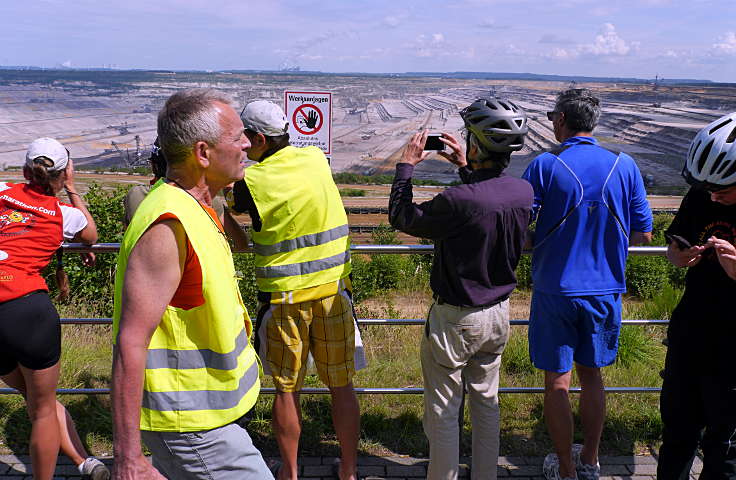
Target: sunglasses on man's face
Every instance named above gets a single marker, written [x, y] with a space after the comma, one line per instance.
[551, 115]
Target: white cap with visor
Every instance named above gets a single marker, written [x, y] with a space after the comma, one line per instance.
[264, 117]
[47, 152]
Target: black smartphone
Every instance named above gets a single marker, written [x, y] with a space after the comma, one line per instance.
[680, 241]
[434, 142]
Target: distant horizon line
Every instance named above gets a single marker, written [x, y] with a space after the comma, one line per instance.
[449, 74]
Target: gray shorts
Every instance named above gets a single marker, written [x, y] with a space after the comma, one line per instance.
[225, 453]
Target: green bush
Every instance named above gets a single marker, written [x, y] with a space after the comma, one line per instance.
[524, 272]
[95, 285]
[378, 273]
[346, 178]
[246, 273]
[645, 276]
[351, 192]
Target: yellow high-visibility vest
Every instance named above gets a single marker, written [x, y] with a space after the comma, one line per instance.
[304, 239]
[201, 369]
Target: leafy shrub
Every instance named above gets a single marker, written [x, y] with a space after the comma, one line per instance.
[95, 285]
[524, 272]
[347, 178]
[351, 192]
[645, 276]
[381, 272]
[246, 273]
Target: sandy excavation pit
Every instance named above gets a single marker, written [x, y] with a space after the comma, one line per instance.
[108, 118]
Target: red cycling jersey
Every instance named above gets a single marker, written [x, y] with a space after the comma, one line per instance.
[31, 230]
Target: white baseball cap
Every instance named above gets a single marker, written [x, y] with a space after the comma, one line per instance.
[264, 117]
[48, 148]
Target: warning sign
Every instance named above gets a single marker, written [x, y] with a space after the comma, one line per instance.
[310, 119]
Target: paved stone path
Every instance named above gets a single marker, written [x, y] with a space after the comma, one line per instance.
[392, 468]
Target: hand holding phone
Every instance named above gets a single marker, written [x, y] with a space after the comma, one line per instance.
[434, 142]
[682, 243]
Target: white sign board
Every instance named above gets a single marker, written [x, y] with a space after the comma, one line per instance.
[310, 119]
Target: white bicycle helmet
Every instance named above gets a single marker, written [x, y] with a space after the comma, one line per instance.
[711, 160]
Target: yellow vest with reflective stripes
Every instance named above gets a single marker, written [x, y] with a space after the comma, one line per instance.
[304, 239]
[201, 369]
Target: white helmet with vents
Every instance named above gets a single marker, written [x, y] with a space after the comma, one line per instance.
[711, 160]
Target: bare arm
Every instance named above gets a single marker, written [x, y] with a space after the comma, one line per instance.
[235, 232]
[640, 238]
[153, 273]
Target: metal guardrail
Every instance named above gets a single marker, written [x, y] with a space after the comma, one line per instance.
[366, 249]
[361, 321]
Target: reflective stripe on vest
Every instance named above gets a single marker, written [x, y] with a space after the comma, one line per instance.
[201, 370]
[193, 401]
[304, 239]
[202, 358]
[309, 240]
[303, 268]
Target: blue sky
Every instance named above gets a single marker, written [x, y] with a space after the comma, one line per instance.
[642, 38]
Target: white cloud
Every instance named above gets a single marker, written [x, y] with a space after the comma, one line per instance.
[562, 54]
[67, 64]
[726, 44]
[608, 43]
[434, 45]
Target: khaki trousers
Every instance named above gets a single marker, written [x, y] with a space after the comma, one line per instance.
[463, 343]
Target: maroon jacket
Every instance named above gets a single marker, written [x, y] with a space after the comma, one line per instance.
[478, 229]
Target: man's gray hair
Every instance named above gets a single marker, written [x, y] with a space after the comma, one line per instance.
[188, 117]
[582, 109]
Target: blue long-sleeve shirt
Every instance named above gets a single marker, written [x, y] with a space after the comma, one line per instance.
[587, 200]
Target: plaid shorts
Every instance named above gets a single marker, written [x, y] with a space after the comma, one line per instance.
[325, 327]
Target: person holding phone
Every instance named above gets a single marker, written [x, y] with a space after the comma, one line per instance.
[478, 229]
[699, 388]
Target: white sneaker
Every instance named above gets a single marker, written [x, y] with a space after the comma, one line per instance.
[94, 469]
[585, 471]
[551, 468]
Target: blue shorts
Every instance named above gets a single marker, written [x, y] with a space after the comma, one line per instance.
[582, 329]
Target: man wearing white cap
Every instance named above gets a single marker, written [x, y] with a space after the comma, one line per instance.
[300, 236]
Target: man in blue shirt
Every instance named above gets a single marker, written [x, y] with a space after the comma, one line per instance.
[589, 204]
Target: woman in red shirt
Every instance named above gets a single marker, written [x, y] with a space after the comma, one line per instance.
[33, 225]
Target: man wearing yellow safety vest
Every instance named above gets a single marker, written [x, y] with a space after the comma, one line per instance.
[300, 237]
[184, 371]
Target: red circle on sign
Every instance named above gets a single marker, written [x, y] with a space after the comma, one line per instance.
[300, 110]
